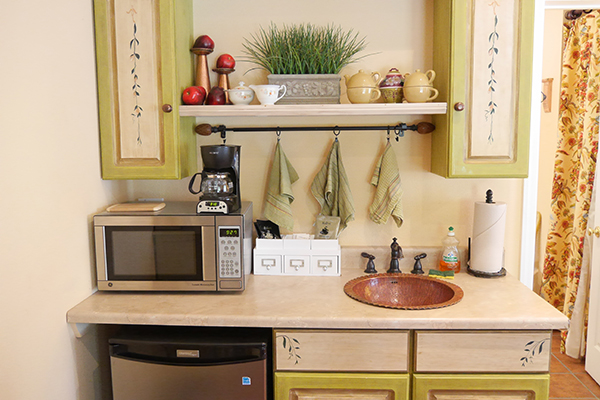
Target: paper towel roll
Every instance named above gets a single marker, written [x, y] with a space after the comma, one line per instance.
[487, 244]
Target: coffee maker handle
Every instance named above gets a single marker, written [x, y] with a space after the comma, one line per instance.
[191, 185]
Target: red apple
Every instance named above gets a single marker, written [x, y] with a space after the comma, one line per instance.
[194, 95]
[204, 42]
[216, 96]
[225, 61]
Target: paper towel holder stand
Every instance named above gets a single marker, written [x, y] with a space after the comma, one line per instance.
[481, 274]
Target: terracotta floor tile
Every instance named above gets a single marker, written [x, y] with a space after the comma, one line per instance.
[567, 386]
[556, 366]
[574, 365]
[590, 383]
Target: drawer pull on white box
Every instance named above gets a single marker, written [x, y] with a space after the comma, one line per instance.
[297, 264]
[268, 262]
[325, 264]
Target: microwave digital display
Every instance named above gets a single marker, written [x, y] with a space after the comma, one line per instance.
[229, 232]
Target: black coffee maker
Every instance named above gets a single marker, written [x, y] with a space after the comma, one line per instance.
[220, 179]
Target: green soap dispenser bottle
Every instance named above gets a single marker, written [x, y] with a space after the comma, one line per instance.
[450, 260]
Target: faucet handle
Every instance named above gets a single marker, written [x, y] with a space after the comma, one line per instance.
[418, 269]
[370, 264]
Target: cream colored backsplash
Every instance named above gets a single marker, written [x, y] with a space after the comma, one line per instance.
[431, 203]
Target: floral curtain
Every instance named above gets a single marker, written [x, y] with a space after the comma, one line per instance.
[574, 171]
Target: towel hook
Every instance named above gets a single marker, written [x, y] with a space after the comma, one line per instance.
[388, 133]
[399, 131]
[278, 133]
[336, 132]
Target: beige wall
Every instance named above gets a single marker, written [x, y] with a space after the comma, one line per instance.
[548, 127]
[49, 188]
[50, 180]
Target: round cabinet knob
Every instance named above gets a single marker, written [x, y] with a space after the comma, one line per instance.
[167, 108]
[325, 268]
[459, 106]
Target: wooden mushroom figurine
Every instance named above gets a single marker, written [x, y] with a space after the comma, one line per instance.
[203, 47]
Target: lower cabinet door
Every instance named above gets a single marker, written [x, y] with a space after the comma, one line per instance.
[480, 387]
[340, 386]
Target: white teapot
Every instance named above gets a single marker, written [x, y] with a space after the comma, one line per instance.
[268, 94]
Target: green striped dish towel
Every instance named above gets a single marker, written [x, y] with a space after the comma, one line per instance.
[332, 190]
[279, 196]
[388, 195]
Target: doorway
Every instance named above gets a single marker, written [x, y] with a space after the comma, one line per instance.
[542, 163]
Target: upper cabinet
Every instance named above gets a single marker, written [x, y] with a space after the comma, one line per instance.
[483, 53]
[143, 64]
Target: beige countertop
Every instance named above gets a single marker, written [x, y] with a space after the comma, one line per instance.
[320, 302]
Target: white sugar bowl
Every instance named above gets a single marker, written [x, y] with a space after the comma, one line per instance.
[241, 95]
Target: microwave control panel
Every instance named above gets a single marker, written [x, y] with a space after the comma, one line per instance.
[230, 252]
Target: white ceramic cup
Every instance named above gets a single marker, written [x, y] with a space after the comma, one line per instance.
[268, 94]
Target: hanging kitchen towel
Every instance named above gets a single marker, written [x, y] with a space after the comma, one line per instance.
[388, 196]
[279, 197]
[331, 188]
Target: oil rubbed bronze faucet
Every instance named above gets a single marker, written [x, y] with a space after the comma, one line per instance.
[396, 257]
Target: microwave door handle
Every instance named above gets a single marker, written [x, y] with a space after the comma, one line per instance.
[101, 266]
[209, 256]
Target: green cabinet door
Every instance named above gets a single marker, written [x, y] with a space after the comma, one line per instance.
[347, 386]
[143, 65]
[483, 52]
[480, 386]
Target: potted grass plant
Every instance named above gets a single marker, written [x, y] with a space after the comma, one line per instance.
[305, 58]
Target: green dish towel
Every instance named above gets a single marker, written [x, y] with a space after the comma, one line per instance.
[279, 196]
[388, 196]
[332, 190]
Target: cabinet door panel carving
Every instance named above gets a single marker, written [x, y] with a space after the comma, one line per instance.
[483, 60]
[521, 352]
[340, 386]
[135, 43]
[314, 350]
[481, 395]
[341, 394]
[480, 386]
[143, 64]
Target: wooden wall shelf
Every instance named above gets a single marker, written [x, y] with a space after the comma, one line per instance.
[313, 110]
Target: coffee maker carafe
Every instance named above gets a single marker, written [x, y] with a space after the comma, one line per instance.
[220, 179]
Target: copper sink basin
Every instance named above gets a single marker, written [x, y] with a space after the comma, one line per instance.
[403, 291]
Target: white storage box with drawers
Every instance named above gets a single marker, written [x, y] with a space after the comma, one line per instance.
[289, 256]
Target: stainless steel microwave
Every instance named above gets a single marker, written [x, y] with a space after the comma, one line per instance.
[174, 249]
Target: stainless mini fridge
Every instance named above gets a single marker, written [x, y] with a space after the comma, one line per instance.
[190, 364]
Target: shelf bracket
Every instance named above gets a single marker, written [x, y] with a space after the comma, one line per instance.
[79, 329]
